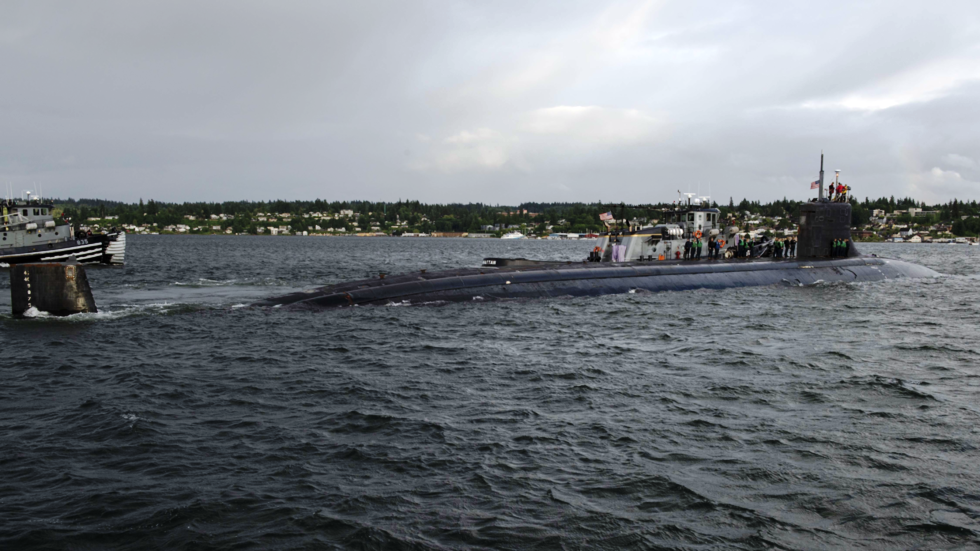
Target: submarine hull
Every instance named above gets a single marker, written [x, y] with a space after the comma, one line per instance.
[551, 279]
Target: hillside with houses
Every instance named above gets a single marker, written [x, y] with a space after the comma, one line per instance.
[885, 219]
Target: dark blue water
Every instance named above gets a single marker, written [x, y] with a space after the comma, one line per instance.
[824, 417]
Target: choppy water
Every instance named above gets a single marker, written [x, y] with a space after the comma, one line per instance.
[831, 416]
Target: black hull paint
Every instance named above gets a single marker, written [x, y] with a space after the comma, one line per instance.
[591, 279]
[91, 250]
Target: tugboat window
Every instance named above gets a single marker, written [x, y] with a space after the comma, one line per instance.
[36, 212]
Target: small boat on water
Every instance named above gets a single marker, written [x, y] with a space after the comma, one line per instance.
[29, 233]
[513, 235]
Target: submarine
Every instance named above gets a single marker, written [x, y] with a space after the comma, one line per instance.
[636, 259]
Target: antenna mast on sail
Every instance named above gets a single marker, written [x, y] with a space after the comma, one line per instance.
[820, 189]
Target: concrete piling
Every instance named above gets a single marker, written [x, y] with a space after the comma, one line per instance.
[58, 288]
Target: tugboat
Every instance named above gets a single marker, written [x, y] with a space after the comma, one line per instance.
[29, 233]
[639, 259]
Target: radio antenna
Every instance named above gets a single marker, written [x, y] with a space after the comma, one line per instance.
[820, 189]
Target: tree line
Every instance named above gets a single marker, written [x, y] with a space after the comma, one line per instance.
[471, 217]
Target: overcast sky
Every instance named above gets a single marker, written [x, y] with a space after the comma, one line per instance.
[490, 101]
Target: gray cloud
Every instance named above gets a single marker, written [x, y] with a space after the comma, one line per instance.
[498, 102]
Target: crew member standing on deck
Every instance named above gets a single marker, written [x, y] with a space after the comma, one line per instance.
[687, 249]
[697, 247]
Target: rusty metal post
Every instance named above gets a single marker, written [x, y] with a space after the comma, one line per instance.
[57, 288]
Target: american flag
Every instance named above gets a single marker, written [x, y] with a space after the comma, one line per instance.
[815, 185]
[606, 216]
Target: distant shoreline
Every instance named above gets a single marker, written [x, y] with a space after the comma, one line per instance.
[878, 241]
[171, 234]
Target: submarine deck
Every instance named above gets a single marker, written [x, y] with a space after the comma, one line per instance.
[521, 278]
